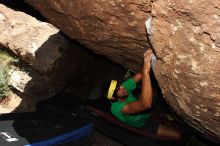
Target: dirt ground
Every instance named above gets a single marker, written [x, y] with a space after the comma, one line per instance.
[101, 140]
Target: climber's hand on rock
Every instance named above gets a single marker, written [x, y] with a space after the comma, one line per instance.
[147, 60]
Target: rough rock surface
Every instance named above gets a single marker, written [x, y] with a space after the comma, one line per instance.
[38, 43]
[33, 84]
[42, 46]
[9, 105]
[18, 102]
[113, 28]
[186, 38]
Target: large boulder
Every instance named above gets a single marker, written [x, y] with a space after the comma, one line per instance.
[31, 86]
[186, 38]
[18, 102]
[32, 83]
[38, 43]
[114, 29]
[42, 46]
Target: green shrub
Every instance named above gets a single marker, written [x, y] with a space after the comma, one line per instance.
[5, 61]
[4, 86]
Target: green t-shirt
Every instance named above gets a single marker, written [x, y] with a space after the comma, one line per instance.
[136, 120]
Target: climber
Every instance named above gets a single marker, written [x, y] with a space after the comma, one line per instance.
[133, 111]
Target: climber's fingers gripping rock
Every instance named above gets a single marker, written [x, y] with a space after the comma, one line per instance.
[147, 60]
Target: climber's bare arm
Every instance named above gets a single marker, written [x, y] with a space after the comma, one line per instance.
[145, 99]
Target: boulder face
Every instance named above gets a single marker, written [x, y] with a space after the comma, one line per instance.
[35, 42]
[113, 28]
[185, 36]
[42, 46]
